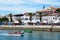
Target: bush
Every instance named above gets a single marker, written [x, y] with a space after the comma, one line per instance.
[4, 19]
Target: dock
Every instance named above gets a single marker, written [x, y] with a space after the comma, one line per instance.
[54, 28]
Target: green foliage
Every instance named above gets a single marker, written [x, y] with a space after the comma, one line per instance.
[4, 19]
[0, 19]
[58, 10]
[10, 15]
[30, 14]
[40, 14]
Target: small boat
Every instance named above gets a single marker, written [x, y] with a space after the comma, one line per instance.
[15, 34]
[12, 34]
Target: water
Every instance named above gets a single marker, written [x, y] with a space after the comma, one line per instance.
[35, 35]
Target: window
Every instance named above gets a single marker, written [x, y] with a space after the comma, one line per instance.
[51, 12]
[26, 19]
[53, 18]
[59, 18]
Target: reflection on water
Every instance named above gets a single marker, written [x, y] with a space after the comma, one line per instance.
[35, 35]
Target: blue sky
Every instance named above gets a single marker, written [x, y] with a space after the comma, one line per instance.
[22, 6]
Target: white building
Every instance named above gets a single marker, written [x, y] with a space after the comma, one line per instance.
[49, 11]
[25, 18]
[51, 19]
[49, 14]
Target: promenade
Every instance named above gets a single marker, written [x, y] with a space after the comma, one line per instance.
[31, 27]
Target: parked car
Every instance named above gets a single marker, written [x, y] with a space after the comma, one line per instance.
[23, 23]
[9, 23]
[30, 23]
[1, 23]
[56, 23]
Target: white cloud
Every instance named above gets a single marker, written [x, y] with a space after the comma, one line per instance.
[28, 1]
[24, 8]
[19, 9]
[52, 2]
[11, 1]
[38, 1]
[15, 2]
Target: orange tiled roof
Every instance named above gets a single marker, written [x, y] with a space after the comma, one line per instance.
[47, 10]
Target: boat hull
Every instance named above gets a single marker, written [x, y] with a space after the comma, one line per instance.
[10, 34]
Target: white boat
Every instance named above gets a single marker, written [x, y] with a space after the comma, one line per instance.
[10, 34]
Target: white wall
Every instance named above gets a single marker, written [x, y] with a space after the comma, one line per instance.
[49, 19]
[36, 19]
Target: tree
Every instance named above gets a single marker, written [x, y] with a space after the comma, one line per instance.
[40, 16]
[30, 14]
[58, 11]
[4, 19]
[10, 15]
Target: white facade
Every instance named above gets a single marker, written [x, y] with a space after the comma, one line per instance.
[26, 19]
[50, 19]
[45, 19]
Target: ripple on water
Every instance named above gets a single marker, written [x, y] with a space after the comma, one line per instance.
[35, 35]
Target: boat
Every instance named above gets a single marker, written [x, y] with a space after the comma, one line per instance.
[28, 31]
[15, 34]
[12, 34]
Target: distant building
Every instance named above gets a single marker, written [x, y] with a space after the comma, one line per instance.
[48, 11]
[49, 14]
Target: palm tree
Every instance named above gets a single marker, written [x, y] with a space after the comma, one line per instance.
[40, 16]
[30, 14]
[10, 15]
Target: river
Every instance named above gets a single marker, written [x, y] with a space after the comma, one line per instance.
[35, 35]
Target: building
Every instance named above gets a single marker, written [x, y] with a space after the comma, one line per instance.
[49, 15]
[48, 11]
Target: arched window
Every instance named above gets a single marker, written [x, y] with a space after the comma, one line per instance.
[26, 19]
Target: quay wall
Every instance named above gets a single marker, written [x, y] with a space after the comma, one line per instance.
[31, 27]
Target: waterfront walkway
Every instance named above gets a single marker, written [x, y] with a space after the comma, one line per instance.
[30, 27]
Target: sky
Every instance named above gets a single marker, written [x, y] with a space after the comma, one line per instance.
[22, 6]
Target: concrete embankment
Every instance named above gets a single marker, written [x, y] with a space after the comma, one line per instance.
[31, 27]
